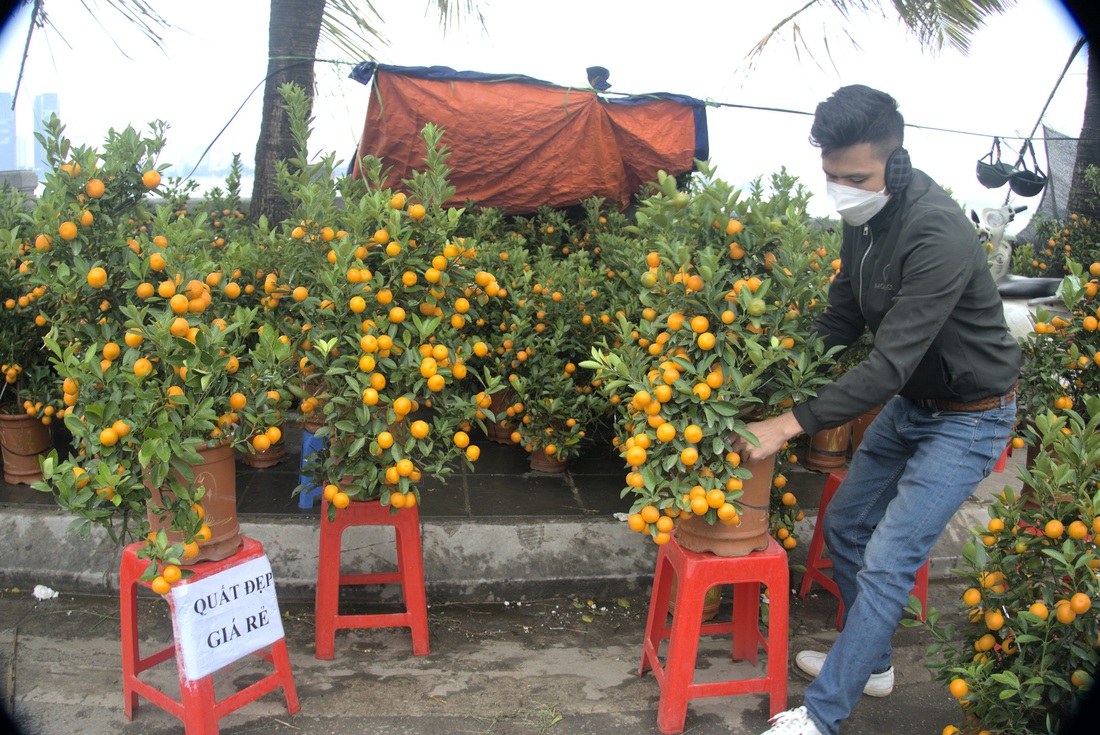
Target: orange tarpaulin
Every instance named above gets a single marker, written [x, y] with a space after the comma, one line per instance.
[518, 143]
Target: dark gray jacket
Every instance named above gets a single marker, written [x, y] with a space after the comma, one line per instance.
[917, 275]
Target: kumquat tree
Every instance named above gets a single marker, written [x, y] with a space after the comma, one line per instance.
[380, 294]
[728, 290]
[565, 310]
[1062, 365]
[150, 357]
[29, 384]
[1031, 644]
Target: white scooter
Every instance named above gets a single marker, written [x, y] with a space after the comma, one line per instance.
[1021, 295]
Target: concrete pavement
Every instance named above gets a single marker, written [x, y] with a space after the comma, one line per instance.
[516, 648]
[555, 667]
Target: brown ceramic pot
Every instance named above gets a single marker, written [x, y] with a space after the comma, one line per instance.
[860, 425]
[269, 457]
[23, 439]
[712, 600]
[218, 475]
[543, 462]
[751, 534]
[828, 449]
[500, 431]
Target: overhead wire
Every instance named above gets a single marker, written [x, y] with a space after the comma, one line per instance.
[708, 102]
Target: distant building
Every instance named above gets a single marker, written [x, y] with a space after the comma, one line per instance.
[9, 160]
[44, 106]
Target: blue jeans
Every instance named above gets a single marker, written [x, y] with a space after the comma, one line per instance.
[912, 471]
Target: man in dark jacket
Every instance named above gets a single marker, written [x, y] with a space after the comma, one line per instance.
[945, 366]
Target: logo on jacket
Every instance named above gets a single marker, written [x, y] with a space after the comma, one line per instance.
[884, 284]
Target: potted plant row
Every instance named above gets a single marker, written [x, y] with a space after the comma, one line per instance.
[28, 389]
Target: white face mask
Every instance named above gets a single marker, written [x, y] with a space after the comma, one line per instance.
[856, 206]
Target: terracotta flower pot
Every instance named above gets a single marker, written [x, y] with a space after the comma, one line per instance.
[860, 425]
[828, 449]
[500, 431]
[751, 534]
[273, 455]
[543, 462]
[23, 440]
[712, 600]
[218, 474]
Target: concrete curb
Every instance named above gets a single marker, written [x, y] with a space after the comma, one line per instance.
[480, 560]
[465, 559]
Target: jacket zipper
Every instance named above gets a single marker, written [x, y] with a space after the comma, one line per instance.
[862, 261]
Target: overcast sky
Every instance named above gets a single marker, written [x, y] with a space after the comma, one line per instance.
[216, 55]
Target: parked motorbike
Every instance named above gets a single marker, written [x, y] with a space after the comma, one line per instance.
[1021, 295]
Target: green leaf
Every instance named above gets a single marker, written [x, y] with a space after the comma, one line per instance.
[723, 408]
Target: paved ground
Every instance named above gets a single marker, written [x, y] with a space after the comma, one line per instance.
[558, 667]
[543, 665]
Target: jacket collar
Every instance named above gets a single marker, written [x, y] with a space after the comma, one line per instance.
[886, 215]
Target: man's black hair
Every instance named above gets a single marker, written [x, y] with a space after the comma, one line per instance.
[858, 114]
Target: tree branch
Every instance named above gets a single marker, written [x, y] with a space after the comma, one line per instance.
[35, 12]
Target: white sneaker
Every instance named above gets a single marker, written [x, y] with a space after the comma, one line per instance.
[878, 685]
[793, 722]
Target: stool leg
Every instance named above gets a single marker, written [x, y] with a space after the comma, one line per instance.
[746, 615]
[327, 604]
[197, 698]
[1000, 466]
[683, 647]
[921, 589]
[130, 646]
[310, 445]
[658, 610]
[410, 563]
[777, 641]
[815, 558]
[281, 660]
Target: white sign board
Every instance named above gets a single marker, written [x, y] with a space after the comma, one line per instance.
[226, 616]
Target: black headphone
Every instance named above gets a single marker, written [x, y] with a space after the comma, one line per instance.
[899, 171]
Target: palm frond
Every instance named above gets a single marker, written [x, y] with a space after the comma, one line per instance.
[936, 23]
[452, 13]
[351, 29]
[138, 13]
[757, 50]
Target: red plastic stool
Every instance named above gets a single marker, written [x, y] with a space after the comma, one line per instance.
[695, 574]
[816, 561]
[409, 574]
[197, 707]
[1000, 466]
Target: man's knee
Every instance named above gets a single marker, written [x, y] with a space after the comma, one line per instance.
[838, 528]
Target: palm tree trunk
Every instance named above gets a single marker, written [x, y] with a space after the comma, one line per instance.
[292, 43]
[1082, 200]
